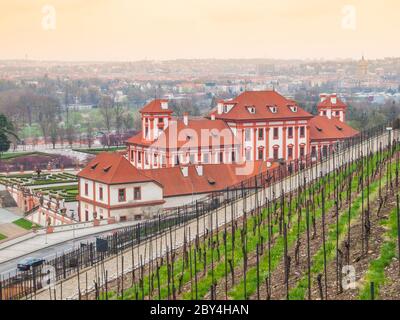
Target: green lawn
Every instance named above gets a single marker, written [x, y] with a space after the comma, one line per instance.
[23, 223]
[98, 150]
[2, 237]
[12, 155]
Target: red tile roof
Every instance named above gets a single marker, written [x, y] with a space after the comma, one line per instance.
[262, 100]
[112, 168]
[322, 128]
[327, 103]
[216, 177]
[155, 107]
[198, 133]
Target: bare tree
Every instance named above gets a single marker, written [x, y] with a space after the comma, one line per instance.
[53, 133]
[106, 110]
[89, 134]
[70, 133]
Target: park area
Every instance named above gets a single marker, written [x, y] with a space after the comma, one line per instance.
[19, 161]
[61, 185]
[33, 179]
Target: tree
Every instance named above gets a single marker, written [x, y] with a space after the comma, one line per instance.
[53, 133]
[6, 131]
[70, 133]
[105, 106]
[89, 134]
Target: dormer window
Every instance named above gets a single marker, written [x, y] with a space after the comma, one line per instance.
[225, 108]
[273, 109]
[106, 169]
[251, 110]
[293, 108]
[94, 166]
[339, 128]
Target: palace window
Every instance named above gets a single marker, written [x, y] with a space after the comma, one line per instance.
[290, 132]
[302, 151]
[137, 193]
[276, 133]
[221, 157]
[260, 154]
[248, 154]
[206, 157]
[260, 134]
[247, 134]
[302, 132]
[192, 158]
[101, 193]
[325, 151]
[139, 157]
[233, 156]
[290, 152]
[86, 189]
[121, 195]
[276, 153]
[313, 151]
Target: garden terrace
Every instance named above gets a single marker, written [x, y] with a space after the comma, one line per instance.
[33, 180]
[68, 193]
[30, 161]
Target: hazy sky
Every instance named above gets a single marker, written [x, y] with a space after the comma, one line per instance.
[171, 29]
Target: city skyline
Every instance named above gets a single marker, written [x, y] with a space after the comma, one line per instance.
[123, 30]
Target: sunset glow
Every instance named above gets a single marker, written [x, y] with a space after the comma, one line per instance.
[158, 29]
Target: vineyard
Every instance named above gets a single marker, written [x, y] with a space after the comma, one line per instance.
[329, 232]
[335, 236]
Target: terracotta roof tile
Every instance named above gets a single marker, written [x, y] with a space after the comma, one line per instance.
[327, 103]
[198, 133]
[216, 177]
[322, 128]
[155, 107]
[112, 168]
[262, 100]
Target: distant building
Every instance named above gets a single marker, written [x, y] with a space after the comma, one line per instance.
[362, 68]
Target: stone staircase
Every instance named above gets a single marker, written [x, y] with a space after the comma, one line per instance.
[6, 200]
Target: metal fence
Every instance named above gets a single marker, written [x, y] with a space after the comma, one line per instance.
[25, 283]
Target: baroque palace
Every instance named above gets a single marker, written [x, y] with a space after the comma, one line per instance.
[175, 161]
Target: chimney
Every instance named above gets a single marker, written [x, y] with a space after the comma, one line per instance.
[199, 170]
[213, 116]
[185, 171]
[334, 98]
[164, 105]
[185, 118]
[220, 107]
